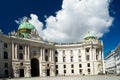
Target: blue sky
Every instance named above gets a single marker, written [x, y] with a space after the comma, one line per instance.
[12, 10]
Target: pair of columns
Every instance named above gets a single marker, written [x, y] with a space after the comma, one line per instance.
[43, 54]
[15, 50]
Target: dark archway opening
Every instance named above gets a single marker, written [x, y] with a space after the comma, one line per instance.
[48, 72]
[34, 67]
[21, 72]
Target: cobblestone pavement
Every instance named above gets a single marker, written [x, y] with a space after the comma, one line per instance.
[102, 77]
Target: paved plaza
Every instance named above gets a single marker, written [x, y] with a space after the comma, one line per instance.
[101, 77]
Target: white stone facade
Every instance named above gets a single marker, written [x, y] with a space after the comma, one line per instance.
[84, 58]
[110, 64]
[117, 59]
[23, 57]
[112, 61]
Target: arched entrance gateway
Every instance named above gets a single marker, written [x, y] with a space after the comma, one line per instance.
[34, 67]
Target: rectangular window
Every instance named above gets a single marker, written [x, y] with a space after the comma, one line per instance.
[88, 64]
[80, 65]
[79, 58]
[56, 52]
[64, 66]
[56, 72]
[87, 50]
[6, 65]
[63, 59]
[46, 51]
[56, 66]
[56, 59]
[64, 71]
[20, 56]
[71, 58]
[87, 57]
[72, 71]
[88, 71]
[20, 47]
[80, 70]
[5, 45]
[96, 57]
[5, 55]
[97, 50]
[46, 58]
[72, 66]
[6, 72]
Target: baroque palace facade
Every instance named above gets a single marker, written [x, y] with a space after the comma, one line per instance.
[25, 54]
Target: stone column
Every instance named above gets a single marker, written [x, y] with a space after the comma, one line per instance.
[39, 54]
[43, 54]
[25, 53]
[28, 50]
[50, 55]
[91, 58]
[103, 65]
[16, 51]
[94, 53]
[83, 57]
[13, 51]
[100, 54]
[40, 59]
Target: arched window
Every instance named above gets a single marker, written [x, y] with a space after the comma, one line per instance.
[5, 55]
[20, 56]
[5, 45]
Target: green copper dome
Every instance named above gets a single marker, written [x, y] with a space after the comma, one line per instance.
[26, 25]
[25, 29]
[89, 36]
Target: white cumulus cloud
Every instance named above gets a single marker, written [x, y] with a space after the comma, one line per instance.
[38, 25]
[75, 19]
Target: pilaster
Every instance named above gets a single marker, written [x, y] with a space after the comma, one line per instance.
[16, 51]
[13, 51]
